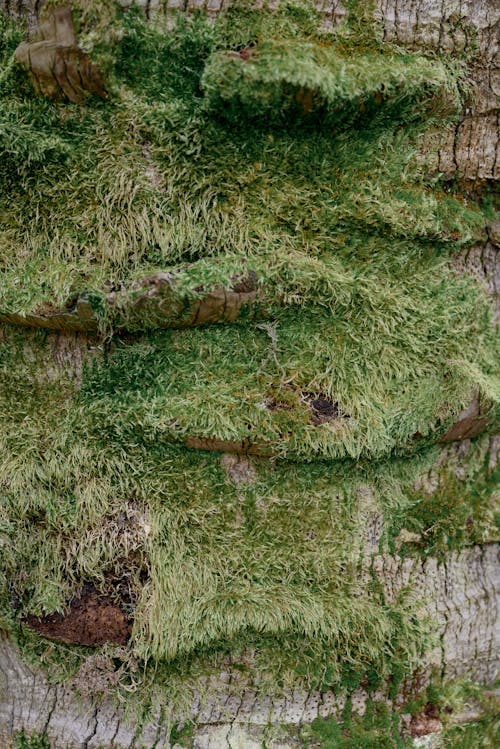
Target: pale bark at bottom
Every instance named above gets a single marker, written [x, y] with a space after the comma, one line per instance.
[461, 593]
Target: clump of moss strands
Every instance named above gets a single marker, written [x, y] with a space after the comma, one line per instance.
[254, 142]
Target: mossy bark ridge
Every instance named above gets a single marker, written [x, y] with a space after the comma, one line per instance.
[249, 380]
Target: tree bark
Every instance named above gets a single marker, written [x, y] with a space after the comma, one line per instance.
[461, 591]
[461, 594]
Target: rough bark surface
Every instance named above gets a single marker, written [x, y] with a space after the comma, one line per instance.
[483, 262]
[460, 593]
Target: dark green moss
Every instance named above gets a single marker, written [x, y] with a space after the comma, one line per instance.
[381, 727]
[181, 734]
[460, 511]
[481, 734]
[31, 742]
[377, 729]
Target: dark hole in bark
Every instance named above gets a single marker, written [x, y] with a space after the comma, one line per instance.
[323, 408]
[431, 710]
[245, 284]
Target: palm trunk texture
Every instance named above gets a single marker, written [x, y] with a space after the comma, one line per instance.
[249, 381]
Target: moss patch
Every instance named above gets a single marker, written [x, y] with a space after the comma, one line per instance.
[266, 570]
[190, 171]
[377, 729]
[348, 242]
[151, 179]
[458, 507]
[382, 727]
[22, 741]
[211, 567]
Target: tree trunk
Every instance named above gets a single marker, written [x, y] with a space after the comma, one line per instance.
[462, 593]
[459, 588]
[471, 148]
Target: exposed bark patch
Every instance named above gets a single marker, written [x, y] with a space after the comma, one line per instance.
[493, 229]
[483, 263]
[239, 468]
[470, 423]
[58, 68]
[91, 620]
[425, 722]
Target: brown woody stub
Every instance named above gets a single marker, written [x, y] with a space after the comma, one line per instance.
[92, 620]
[153, 301]
[240, 447]
[471, 422]
[58, 68]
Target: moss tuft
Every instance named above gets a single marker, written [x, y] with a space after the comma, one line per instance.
[377, 729]
[31, 742]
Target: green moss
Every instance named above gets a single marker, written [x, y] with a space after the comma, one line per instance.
[481, 734]
[461, 509]
[351, 248]
[380, 726]
[150, 179]
[377, 729]
[219, 382]
[280, 81]
[349, 245]
[214, 568]
[269, 567]
[182, 734]
[31, 742]
[456, 698]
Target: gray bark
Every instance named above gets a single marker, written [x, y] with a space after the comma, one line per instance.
[461, 593]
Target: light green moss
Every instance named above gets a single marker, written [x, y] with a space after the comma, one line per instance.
[351, 248]
[213, 566]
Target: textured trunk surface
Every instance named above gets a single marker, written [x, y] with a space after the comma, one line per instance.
[461, 594]
[471, 148]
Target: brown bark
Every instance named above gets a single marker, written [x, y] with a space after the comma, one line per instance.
[58, 68]
[152, 302]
